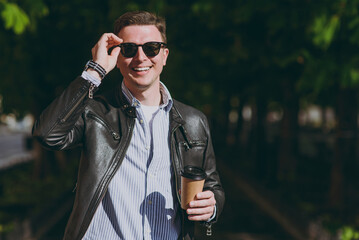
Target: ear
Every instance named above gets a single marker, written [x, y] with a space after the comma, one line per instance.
[166, 51]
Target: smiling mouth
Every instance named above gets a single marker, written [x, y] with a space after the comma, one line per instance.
[141, 69]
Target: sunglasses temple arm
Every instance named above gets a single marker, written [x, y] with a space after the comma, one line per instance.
[111, 48]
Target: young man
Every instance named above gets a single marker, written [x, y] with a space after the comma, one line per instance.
[135, 139]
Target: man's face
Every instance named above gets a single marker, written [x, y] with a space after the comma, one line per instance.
[141, 72]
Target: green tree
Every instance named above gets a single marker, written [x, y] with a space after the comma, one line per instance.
[16, 19]
[331, 72]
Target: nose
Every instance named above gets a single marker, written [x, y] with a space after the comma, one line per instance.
[140, 55]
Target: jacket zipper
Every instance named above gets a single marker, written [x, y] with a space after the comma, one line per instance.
[73, 108]
[188, 142]
[191, 144]
[114, 134]
[175, 168]
[209, 229]
[105, 184]
[186, 146]
[92, 87]
[197, 143]
[177, 188]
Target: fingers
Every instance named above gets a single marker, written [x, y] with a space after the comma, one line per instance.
[203, 199]
[202, 208]
[100, 51]
[202, 202]
[113, 40]
[198, 211]
[205, 195]
[109, 39]
[201, 214]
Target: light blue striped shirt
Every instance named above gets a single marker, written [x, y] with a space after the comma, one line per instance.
[140, 202]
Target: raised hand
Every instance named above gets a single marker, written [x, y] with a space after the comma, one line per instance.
[100, 52]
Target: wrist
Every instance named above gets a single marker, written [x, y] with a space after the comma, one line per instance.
[94, 73]
[95, 67]
[214, 214]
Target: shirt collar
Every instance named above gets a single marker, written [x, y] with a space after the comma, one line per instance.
[167, 101]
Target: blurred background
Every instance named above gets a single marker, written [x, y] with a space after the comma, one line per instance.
[278, 81]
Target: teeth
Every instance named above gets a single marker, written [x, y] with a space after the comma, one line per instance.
[142, 69]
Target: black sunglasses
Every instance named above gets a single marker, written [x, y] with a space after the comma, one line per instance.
[151, 49]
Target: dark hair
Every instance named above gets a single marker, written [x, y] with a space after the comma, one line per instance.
[141, 18]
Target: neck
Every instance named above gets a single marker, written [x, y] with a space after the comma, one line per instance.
[150, 96]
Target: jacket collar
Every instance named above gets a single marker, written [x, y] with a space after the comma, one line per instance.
[123, 103]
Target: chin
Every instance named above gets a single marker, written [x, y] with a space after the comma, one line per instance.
[141, 83]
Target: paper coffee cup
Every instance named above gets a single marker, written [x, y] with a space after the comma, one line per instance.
[192, 181]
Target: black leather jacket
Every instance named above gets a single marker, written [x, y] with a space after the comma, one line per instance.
[103, 127]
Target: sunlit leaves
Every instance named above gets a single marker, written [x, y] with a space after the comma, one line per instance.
[14, 17]
[349, 233]
[354, 27]
[354, 76]
[324, 28]
[20, 17]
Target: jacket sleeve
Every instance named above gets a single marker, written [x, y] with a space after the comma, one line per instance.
[213, 182]
[60, 125]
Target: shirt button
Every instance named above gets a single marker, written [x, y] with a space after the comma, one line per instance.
[147, 147]
[135, 104]
[150, 202]
[141, 121]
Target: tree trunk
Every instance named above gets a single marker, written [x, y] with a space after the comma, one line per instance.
[289, 133]
[220, 124]
[344, 162]
[260, 136]
[239, 125]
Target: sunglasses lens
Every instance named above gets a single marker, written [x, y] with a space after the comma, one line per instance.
[151, 49]
[128, 49]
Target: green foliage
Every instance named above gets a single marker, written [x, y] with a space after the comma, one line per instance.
[5, 228]
[349, 233]
[331, 62]
[353, 25]
[324, 28]
[14, 17]
[20, 17]
[354, 75]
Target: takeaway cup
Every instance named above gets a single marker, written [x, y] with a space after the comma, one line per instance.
[192, 180]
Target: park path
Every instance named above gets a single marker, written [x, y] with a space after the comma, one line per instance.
[13, 149]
